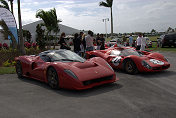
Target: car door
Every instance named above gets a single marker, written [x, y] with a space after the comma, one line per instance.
[38, 67]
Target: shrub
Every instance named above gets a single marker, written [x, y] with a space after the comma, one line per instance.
[13, 63]
[34, 45]
[5, 46]
[27, 45]
[6, 64]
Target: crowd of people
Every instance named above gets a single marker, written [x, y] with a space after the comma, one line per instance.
[83, 42]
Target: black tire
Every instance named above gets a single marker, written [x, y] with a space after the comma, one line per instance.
[19, 69]
[52, 77]
[162, 46]
[130, 67]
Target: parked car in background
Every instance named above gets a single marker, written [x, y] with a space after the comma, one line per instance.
[131, 60]
[167, 40]
[114, 41]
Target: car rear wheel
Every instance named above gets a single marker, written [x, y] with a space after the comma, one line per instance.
[130, 67]
[19, 69]
[52, 78]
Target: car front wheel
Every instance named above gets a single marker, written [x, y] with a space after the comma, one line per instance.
[130, 67]
[19, 69]
[52, 78]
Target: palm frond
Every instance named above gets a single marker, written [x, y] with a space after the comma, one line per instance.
[109, 2]
[4, 4]
[104, 4]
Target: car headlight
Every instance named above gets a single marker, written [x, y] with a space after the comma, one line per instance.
[166, 59]
[146, 65]
[70, 73]
[109, 66]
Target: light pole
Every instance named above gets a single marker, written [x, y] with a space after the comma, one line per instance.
[104, 20]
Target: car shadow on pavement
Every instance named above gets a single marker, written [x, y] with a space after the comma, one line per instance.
[76, 93]
[165, 73]
[90, 92]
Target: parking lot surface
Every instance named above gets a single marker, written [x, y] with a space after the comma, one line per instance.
[145, 95]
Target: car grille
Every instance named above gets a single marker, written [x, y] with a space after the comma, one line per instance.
[159, 68]
[88, 82]
[156, 68]
[165, 67]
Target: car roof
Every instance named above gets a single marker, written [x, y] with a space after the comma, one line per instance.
[51, 51]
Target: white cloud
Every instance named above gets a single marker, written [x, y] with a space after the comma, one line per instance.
[128, 15]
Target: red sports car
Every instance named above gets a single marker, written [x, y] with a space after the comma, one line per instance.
[65, 69]
[130, 60]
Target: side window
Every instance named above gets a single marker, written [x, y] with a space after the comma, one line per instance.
[45, 58]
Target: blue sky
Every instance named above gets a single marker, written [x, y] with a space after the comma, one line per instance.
[129, 15]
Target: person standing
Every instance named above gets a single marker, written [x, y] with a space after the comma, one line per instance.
[63, 44]
[83, 43]
[124, 40]
[143, 43]
[89, 41]
[102, 39]
[138, 41]
[77, 43]
[98, 41]
[131, 41]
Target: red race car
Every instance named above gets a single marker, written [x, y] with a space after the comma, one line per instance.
[65, 69]
[130, 60]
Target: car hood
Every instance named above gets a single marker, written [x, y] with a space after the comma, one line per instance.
[89, 70]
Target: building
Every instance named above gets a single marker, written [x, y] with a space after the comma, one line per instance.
[32, 29]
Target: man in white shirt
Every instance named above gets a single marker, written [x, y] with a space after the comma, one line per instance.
[138, 41]
[89, 41]
[143, 44]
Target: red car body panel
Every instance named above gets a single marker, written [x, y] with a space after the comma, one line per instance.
[94, 70]
[147, 56]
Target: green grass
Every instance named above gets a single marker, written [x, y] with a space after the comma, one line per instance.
[155, 48]
[7, 70]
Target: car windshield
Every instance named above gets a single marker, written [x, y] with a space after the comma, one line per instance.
[124, 52]
[66, 55]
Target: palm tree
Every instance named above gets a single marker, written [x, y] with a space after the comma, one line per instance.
[22, 49]
[11, 4]
[4, 4]
[108, 4]
[50, 21]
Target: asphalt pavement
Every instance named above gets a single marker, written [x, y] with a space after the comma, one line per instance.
[145, 95]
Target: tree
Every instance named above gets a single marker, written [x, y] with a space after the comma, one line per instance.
[153, 31]
[27, 35]
[108, 4]
[50, 21]
[170, 29]
[40, 38]
[4, 4]
[22, 50]
[11, 4]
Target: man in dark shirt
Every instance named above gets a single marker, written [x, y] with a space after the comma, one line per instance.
[102, 39]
